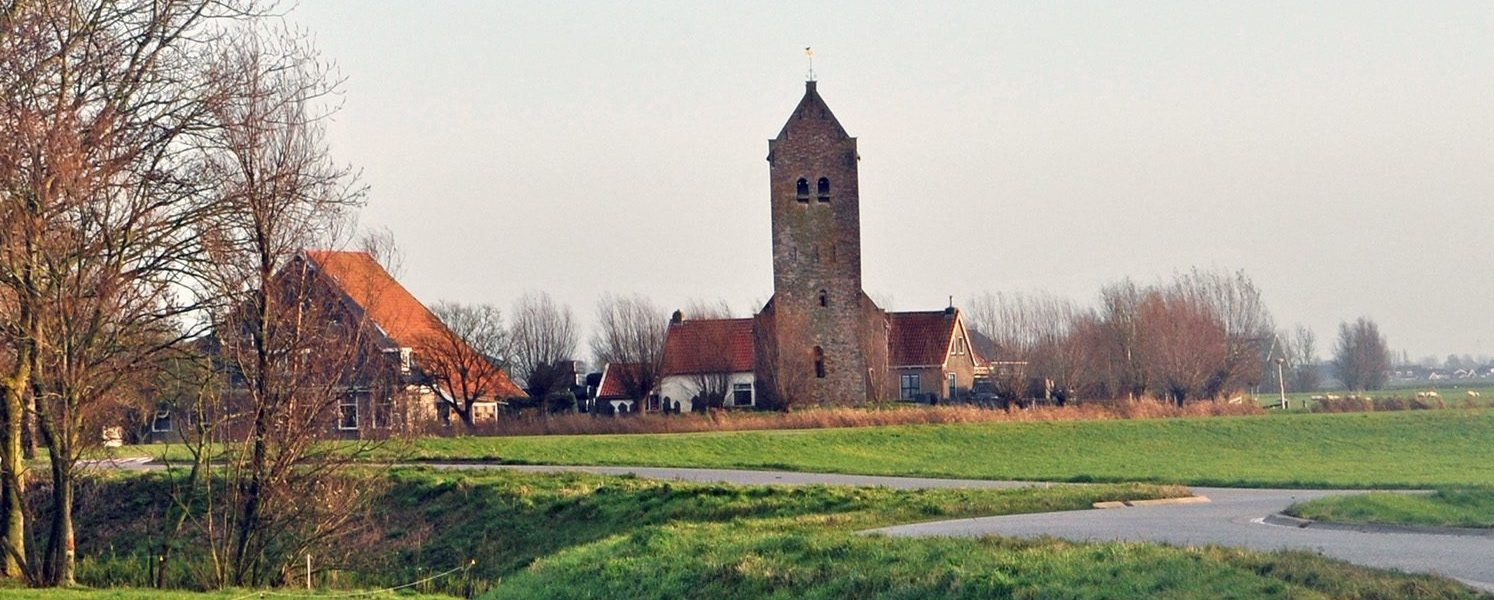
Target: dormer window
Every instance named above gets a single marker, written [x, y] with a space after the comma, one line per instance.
[823, 189]
[801, 190]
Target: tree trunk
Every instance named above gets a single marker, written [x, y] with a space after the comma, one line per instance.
[61, 547]
[467, 420]
[12, 473]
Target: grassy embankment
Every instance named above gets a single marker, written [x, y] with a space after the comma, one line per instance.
[1452, 507]
[425, 521]
[1356, 450]
[587, 536]
[19, 593]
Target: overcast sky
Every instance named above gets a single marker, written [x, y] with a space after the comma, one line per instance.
[1342, 154]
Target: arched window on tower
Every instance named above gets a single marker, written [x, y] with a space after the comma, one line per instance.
[824, 298]
[819, 362]
[823, 189]
[801, 190]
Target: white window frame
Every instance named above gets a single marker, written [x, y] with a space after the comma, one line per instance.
[161, 415]
[349, 399]
[737, 387]
[952, 383]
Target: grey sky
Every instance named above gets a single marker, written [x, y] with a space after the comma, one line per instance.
[1341, 153]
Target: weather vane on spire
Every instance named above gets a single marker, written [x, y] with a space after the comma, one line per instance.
[809, 53]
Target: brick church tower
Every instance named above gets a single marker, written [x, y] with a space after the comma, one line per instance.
[821, 337]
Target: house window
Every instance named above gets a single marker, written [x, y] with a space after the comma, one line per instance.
[959, 347]
[824, 298]
[819, 362]
[383, 412]
[347, 411]
[801, 190]
[910, 386]
[823, 189]
[404, 361]
[161, 423]
[952, 387]
[741, 394]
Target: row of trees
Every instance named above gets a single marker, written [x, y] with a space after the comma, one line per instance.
[162, 163]
[1201, 335]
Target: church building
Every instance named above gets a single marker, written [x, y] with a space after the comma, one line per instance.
[820, 340]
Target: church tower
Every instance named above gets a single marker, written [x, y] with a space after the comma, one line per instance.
[829, 340]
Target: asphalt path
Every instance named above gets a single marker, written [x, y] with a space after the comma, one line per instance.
[1233, 517]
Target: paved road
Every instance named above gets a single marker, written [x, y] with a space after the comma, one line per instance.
[1234, 517]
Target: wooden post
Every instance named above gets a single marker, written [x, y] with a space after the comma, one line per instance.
[308, 570]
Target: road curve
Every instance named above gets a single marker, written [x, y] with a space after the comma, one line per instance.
[1234, 517]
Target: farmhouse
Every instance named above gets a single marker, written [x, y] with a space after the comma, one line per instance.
[433, 362]
[397, 347]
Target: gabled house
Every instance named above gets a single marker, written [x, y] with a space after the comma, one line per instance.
[435, 365]
[707, 361]
[930, 355]
[612, 396]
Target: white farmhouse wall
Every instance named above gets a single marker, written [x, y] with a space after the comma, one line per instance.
[681, 388]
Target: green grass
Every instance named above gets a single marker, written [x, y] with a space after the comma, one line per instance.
[589, 536]
[1454, 394]
[1356, 450]
[1394, 449]
[775, 560]
[427, 521]
[1453, 507]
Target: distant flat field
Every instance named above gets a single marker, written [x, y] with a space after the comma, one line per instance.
[1355, 450]
[1453, 393]
[1358, 450]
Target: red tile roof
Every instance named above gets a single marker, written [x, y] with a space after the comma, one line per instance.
[611, 387]
[403, 319]
[709, 346]
[920, 338]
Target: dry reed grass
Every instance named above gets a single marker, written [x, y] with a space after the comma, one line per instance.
[823, 418]
[1335, 404]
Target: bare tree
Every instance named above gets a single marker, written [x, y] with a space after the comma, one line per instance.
[784, 373]
[1119, 358]
[292, 345]
[1303, 358]
[543, 335]
[630, 331]
[1183, 345]
[1035, 329]
[466, 355]
[1361, 358]
[1235, 306]
[97, 190]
